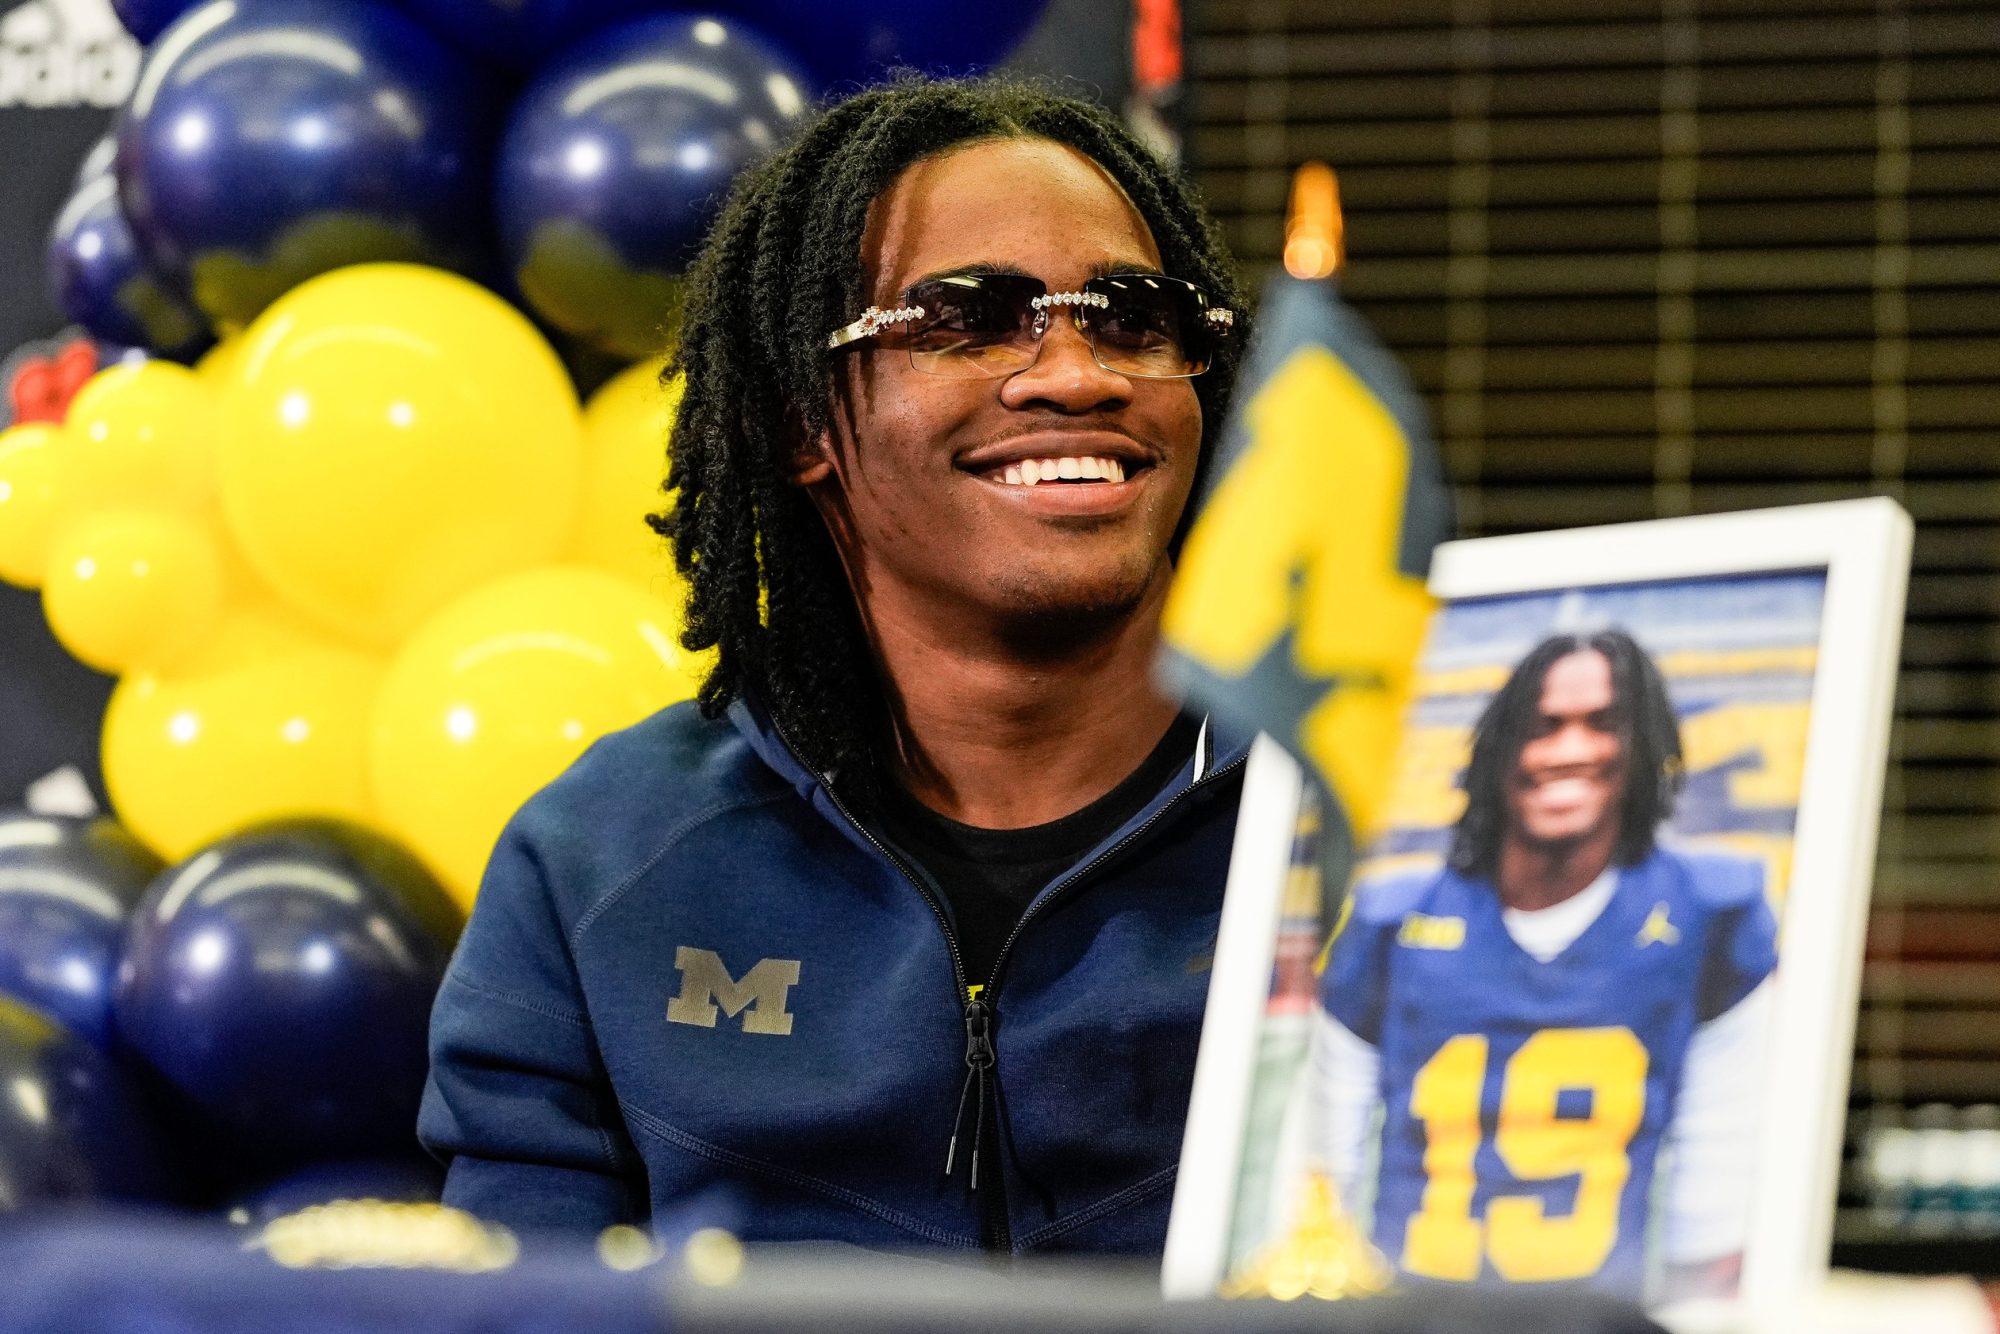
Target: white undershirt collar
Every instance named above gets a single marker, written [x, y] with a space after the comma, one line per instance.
[1546, 932]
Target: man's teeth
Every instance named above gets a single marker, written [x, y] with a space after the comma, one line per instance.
[1033, 472]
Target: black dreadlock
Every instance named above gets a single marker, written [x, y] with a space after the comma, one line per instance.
[781, 267]
[1643, 715]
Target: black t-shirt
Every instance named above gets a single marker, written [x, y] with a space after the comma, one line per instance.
[989, 876]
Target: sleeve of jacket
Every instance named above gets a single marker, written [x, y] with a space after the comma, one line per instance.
[518, 1105]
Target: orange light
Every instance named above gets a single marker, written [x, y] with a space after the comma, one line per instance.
[1315, 236]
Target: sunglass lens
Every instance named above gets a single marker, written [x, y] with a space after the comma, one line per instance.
[1153, 326]
[972, 325]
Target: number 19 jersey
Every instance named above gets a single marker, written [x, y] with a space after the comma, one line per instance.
[1525, 1101]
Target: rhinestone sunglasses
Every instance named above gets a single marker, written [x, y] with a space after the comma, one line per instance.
[969, 326]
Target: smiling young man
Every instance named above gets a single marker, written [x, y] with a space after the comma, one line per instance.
[1563, 1008]
[900, 937]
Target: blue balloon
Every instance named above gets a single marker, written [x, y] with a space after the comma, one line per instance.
[72, 1127]
[67, 887]
[617, 159]
[518, 35]
[271, 141]
[398, 1180]
[100, 280]
[147, 19]
[101, 160]
[281, 983]
[860, 40]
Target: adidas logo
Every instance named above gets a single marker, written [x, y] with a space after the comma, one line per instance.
[65, 53]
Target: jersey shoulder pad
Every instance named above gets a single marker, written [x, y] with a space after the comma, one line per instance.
[1718, 881]
[1384, 900]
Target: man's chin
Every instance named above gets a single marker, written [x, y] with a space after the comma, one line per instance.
[1562, 843]
[1060, 613]
[1557, 834]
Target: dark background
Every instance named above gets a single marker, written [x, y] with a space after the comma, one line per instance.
[50, 705]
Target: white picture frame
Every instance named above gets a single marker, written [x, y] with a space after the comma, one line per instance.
[1863, 548]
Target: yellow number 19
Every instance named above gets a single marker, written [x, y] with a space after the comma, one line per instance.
[1444, 1240]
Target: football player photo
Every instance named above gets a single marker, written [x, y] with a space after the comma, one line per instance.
[1580, 1010]
[1538, 1059]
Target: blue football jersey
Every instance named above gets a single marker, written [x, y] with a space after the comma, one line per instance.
[1525, 1102]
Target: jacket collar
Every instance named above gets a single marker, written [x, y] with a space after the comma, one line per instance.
[754, 724]
[1220, 746]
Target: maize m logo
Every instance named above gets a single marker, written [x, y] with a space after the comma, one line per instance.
[759, 995]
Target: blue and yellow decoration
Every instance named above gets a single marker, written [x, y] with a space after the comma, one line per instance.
[1299, 604]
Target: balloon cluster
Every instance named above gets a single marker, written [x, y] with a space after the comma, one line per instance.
[369, 559]
[568, 152]
[239, 1030]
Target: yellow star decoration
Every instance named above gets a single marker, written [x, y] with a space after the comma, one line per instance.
[1325, 1256]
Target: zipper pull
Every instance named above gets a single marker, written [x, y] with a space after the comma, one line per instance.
[978, 1034]
[978, 1060]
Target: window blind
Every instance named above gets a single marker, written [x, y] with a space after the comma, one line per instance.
[1658, 257]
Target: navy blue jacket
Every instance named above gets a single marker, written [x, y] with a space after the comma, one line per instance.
[690, 971]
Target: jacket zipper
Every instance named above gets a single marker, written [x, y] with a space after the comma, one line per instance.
[1062, 886]
[998, 1223]
[937, 910]
[980, 1057]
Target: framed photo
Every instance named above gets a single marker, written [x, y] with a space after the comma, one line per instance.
[1586, 1012]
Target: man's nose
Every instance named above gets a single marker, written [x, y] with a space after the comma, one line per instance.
[1574, 743]
[1065, 374]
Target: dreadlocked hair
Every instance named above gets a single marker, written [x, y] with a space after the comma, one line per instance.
[781, 268]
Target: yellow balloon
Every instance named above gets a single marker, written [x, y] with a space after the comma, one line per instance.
[28, 500]
[501, 691]
[393, 436]
[139, 435]
[133, 588]
[625, 429]
[219, 362]
[264, 720]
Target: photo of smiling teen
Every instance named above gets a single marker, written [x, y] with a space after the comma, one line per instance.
[1561, 1028]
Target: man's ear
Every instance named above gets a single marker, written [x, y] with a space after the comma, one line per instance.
[812, 460]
